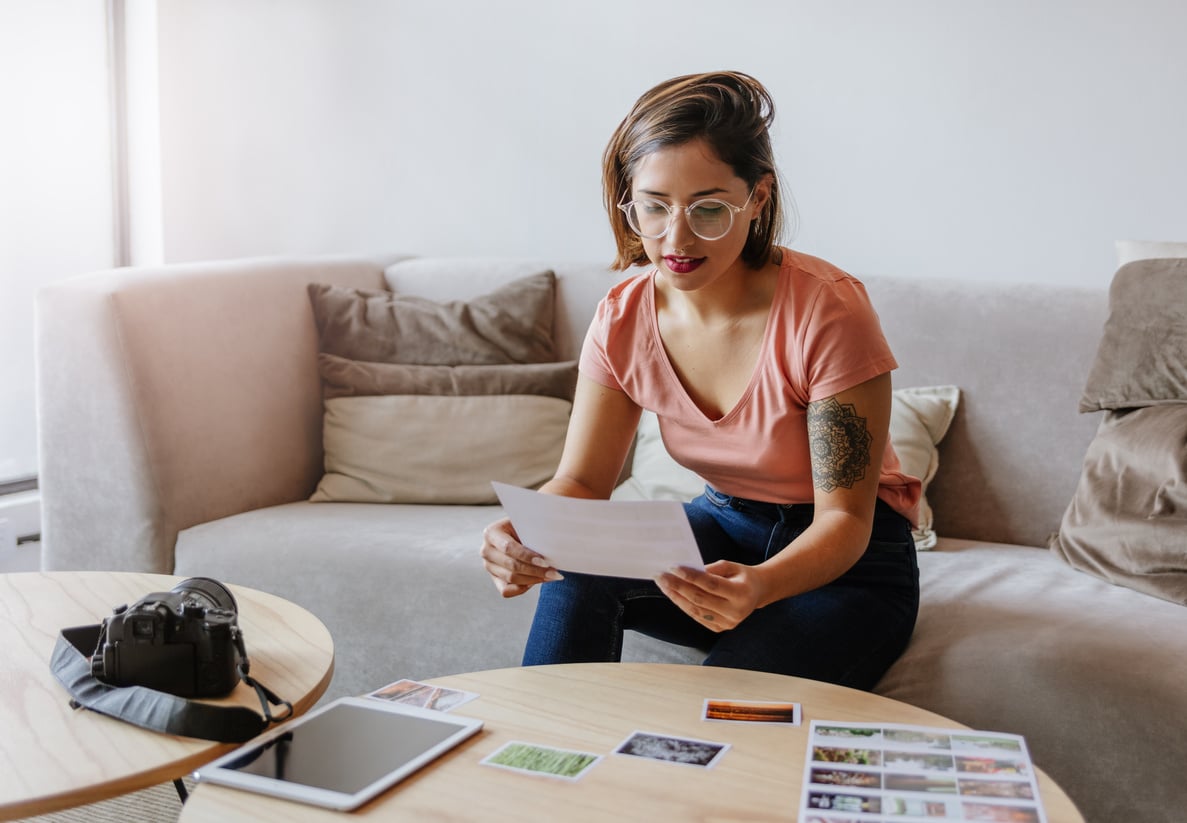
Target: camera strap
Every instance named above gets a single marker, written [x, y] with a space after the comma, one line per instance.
[156, 710]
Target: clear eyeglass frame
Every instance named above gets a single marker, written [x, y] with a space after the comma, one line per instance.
[694, 214]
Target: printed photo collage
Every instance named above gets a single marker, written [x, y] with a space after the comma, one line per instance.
[890, 773]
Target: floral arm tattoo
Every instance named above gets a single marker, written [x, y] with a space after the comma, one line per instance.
[840, 444]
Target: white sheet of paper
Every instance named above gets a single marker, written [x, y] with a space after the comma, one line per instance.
[619, 538]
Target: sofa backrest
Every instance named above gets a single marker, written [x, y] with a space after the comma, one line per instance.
[1020, 354]
[176, 395]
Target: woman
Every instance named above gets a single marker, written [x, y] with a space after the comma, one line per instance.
[770, 377]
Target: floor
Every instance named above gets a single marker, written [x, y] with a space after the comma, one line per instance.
[158, 804]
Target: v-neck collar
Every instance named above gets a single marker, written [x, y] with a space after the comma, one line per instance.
[759, 364]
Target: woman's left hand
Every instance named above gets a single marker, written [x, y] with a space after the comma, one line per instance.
[720, 597]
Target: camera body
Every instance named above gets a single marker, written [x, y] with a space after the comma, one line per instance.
[185, 641]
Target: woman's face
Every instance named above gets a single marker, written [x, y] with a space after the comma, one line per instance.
[679, 176]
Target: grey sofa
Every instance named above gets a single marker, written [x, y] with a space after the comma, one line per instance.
[180, 425]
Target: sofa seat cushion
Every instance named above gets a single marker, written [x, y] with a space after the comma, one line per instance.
[400, 587]
[1011, 639]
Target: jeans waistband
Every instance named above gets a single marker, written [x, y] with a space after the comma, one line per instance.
[776, 511]
[786, 512]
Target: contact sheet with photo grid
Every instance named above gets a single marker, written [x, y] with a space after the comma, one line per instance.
[892, 773]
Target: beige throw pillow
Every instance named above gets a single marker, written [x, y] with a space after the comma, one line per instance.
[426, 449]
[919, 419]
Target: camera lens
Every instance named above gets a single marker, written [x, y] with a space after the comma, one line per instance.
[210, 594]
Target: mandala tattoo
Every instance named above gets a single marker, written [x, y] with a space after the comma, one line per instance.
[840, 444]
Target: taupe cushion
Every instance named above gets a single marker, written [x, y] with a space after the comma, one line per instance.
[1127, 522]
[1142, 357]
[513, 324]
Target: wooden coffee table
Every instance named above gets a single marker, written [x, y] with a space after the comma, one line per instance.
[53, 757]
[594, 707]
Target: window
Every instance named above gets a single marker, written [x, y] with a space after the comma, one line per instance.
[56, 212]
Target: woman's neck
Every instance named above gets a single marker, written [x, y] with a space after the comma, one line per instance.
[741, 292]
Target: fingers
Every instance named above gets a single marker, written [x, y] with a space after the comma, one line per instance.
[513, 567]
[710, 598]
[698, 612]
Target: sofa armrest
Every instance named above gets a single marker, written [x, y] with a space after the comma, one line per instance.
[173, 396]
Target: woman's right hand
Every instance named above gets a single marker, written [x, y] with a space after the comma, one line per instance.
[513, 567]
[601, 428]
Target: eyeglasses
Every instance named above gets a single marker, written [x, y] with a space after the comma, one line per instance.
[709, 219]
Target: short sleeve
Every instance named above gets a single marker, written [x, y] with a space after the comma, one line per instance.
[843, 344]
[595, 359]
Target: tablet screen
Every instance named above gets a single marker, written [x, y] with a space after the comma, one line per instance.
[345, 748]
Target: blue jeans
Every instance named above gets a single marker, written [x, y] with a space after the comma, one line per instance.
[848, 632]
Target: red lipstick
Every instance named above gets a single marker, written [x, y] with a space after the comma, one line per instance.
[683, 265]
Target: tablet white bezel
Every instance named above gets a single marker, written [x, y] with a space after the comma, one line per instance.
[217, 772]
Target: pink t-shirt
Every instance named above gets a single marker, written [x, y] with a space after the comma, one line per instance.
[822, 337]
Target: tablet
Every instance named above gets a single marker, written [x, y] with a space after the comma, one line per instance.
[342, 754]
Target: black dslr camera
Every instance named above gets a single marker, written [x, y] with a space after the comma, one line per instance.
[185, 641]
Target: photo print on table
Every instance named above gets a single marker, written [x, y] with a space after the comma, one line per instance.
[752, 711]
[688, 751]
[545, 761]
[425, 695]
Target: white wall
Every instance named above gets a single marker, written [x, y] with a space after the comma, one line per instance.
[55, 185]
[1008, 139]
[975, 139]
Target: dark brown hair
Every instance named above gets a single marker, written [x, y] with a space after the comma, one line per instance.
[730, 111]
